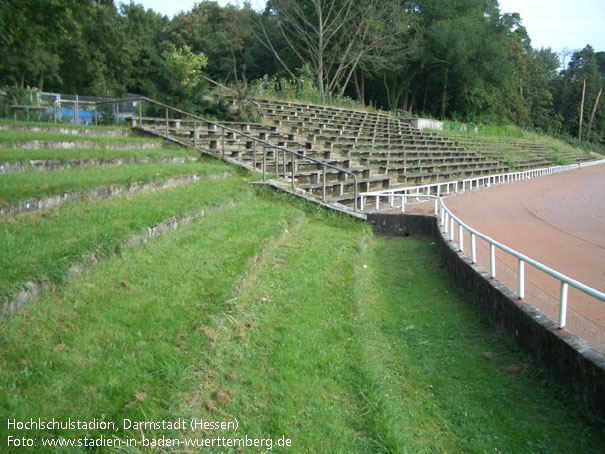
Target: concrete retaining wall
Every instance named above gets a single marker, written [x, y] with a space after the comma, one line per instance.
[425, 123]
[569, 360]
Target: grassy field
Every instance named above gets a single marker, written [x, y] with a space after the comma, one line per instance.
[513, 145]
[10, 139]
[296, 322]
[18, 186]
[86, 153]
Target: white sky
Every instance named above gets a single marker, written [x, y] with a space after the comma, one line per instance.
[557, 24]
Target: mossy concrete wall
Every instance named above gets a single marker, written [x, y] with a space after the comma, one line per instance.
[568, 359]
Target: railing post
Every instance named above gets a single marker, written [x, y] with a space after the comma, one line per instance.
[492, 260]
[194, 133]
[361, 203]
[521, 279]
[293, 164]
[473, 248]
[436, 207]
[254, 154]
[264, 163]
[223, 140]
[117, 113]
[166, 120]
[460, 237]
[403, 203]
[276, 158]
[96, 115]
[323, 184]
[76, 114]
[563, 305]
[451, 228]
[140, 114]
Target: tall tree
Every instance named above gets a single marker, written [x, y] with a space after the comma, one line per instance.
[336, 36]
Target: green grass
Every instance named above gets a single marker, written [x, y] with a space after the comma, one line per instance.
[18, 186]
[46, 243]
[512, 142]
[362, 344]
[14, 138]
[440, 380]
[126, 340]
[45, 124]
[7, 155]
[297, 322]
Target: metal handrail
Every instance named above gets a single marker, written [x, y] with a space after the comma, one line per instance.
[460, 186]
[448, 220]
[266, 144]
[565, 280]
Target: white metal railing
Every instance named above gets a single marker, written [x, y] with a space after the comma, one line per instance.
[448, 221]
[414, 193]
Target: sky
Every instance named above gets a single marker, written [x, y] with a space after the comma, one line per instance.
[558, 24]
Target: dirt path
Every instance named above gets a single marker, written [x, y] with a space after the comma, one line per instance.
[557, 220]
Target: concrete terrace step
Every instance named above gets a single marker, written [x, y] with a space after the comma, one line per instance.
[65, 130]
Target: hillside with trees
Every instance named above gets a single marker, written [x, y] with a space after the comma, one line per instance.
[464, 60]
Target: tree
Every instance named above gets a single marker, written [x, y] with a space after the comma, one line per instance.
[582, 83]
[144, 31]
[29, 42]
[336, 36]
[182, 72]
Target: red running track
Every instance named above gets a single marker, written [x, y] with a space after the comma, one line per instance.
[557, 220]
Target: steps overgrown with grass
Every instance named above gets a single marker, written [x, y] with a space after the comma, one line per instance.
[14, 187]
[296, 321]
[363, 344]
[45, 244]
[16, 139]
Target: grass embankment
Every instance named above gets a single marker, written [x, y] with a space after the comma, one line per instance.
[45, 244]
[295, 322]
[15, 138]
[60, 125]
[18, 186]
[7, 155]
[514, 145]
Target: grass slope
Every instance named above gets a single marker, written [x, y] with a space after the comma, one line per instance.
[45, 244]
[14, 138]
[18, 186]
[94, 153]
[297, 322]
[122, 342]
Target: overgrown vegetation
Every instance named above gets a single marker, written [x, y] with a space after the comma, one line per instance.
[307, 327]
[463, 60]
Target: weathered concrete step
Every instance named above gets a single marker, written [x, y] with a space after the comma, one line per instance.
[89, 132]
[99, 193]
[43, 165]
[83, 144]
[339, 188]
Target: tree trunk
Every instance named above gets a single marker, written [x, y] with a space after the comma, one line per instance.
[594, 111]
[363, 87]
[582, 111]
[444, 93]
[40, 82]
[386, 87]
[426, 93]
[357, 90]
